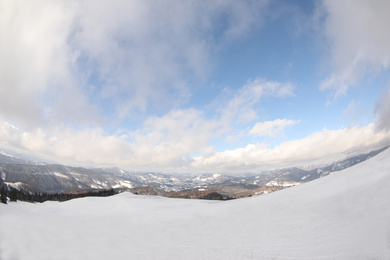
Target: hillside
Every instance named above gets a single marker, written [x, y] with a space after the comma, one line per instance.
[341, 216]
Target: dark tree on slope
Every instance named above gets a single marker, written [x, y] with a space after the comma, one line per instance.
[3, 195]
[13, 194]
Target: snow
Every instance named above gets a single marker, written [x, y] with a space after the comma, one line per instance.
[16, 185]
[58, 174]
[121, 184]
[101, 184]
[216, 175]
[282, 183]
[4, 153]
[341, 216]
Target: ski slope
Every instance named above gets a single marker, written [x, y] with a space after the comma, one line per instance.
[342, 216]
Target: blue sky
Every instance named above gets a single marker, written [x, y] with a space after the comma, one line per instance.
[194, 86]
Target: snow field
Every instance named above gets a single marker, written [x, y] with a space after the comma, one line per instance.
[342, 216]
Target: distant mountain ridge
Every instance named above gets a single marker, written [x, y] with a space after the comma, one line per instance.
[34, 176]
[16, 158]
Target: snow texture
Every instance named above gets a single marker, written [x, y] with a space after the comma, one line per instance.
[342, 216]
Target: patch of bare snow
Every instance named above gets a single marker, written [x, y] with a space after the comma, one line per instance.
[121, 184]
[282, 183]
[6, 154]
[16, 185]
[75, 173]
[58, 174]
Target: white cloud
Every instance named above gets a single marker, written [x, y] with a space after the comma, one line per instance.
[320, 147]
[382, 109]
[359, 41]
[166, 144]
[240, 107]
[353, 113]
[162, 143]
[271, 128]
[89, 146]
[131, 56]
[35, 62]
[147, 53]
[168, 141]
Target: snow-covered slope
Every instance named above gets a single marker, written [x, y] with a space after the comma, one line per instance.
[342, 216]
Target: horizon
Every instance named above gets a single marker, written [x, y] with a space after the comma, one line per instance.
[187, 86]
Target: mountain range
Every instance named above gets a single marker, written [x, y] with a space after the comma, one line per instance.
[34, 175]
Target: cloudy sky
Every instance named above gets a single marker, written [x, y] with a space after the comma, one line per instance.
[194, 86]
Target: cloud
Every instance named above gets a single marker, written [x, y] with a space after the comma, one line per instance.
[352, 113]
[241, 107]
[145, 55]
[71, 146]
[120, 57]
[167, 143]
[382, 109]
[271, 128]
[169, 140]
[317, 148]
[164, 142]
[35, 62]
[359, 41]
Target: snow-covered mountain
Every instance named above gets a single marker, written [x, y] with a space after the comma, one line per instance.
[7, 156]
[341, 216]
[33, 177]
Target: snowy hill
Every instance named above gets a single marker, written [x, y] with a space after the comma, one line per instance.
[341, 216]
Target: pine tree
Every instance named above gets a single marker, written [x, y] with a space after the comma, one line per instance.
[13, 195]
[3, 195]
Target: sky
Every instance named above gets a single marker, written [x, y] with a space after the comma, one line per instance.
[194, 86]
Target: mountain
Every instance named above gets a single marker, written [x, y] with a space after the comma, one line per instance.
[341, 216]
[60, 178]
[7, 156]
[32, 176]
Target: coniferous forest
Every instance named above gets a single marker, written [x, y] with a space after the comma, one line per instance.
[13, 194]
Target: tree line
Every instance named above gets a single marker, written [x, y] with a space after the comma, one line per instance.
[13, 194]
